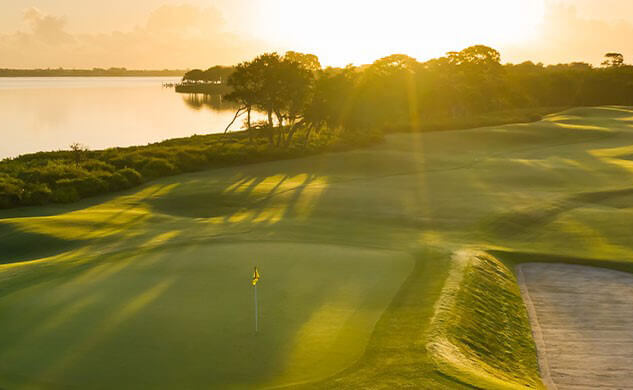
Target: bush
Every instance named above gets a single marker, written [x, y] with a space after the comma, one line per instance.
[157, 167]
[37, 194]
[51, 172]
[96, 165]
[10, 193]
[118, 181]
[84, 186]
[65, 195]
[55, 176]
[91, 185]
[132, 176]
[191, 161]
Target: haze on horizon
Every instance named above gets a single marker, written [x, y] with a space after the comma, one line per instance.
[159, 34]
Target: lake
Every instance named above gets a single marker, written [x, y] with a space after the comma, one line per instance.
[50, 113]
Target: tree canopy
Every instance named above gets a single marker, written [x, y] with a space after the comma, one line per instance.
[279, 86]
[216, 74]
[398, 91]
[613, 60]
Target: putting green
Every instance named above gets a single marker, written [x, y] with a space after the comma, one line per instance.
[150, 287]
[183, 316]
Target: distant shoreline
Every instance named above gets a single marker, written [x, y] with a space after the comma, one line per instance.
[97, 72]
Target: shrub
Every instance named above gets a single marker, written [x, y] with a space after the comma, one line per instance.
[84, 186]
[157, 167]
[131, 175]
[97, 165]
[189, 161]
[65, 195]
[212, 153]
[90, 185]
[118, 181]
[51, 172]
[44, 177]
[37, 194]
[10, 193]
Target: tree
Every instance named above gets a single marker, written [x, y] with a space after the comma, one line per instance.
[475, 55]
[294, 92]
[613, 60]
[332, 103]
[246, 84]
[218, 74]
[396, 62]
[78, 150]
[277, 86]
[308, 61]
[194, 75]
[387, 90]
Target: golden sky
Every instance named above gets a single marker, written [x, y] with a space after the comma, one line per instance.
[160, 34]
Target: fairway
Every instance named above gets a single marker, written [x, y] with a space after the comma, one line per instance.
[383, 267]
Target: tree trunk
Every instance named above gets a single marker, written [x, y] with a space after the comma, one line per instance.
[295, 126]
[270, 119]
[237, 114]
[271, 127]
[305, 143]
[248, 123]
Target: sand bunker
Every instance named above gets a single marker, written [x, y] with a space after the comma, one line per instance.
[582, 320]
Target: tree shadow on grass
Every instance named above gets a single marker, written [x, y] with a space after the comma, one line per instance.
[251, 194]
[17, 245]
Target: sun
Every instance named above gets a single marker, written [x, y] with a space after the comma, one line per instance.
[345, 31]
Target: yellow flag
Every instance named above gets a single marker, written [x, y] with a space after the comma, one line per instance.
[255, 276]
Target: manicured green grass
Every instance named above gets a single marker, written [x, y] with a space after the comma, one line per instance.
[188, 310]
[358, 253]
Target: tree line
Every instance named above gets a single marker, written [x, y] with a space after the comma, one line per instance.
[400, 93]
[215, 74]
[309, 109]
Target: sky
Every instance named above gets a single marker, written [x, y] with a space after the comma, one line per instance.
[184, 34]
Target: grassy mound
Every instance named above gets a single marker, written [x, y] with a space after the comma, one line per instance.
[480, 332]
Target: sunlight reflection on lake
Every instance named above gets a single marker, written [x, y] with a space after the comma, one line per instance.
[50, 113]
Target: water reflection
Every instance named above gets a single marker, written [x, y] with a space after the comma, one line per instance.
[199, 101]
[51, 113]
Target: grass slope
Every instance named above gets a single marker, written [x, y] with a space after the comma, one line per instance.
[357, 250]
[480, 330]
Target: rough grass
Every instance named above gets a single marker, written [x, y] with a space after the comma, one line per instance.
[147, 286]
[480, 332]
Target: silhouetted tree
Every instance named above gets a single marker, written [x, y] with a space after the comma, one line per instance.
[194, 75]
[398, 90]
[475, 55]
[78, 151]
[613, 60]
[246, 83]
[218, 74]
[308, 61]
[277, 86]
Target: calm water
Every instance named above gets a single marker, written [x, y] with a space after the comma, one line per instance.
[39, 114]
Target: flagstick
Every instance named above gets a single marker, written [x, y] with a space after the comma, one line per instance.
[256, 325]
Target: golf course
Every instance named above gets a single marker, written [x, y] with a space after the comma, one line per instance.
[384, 267]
